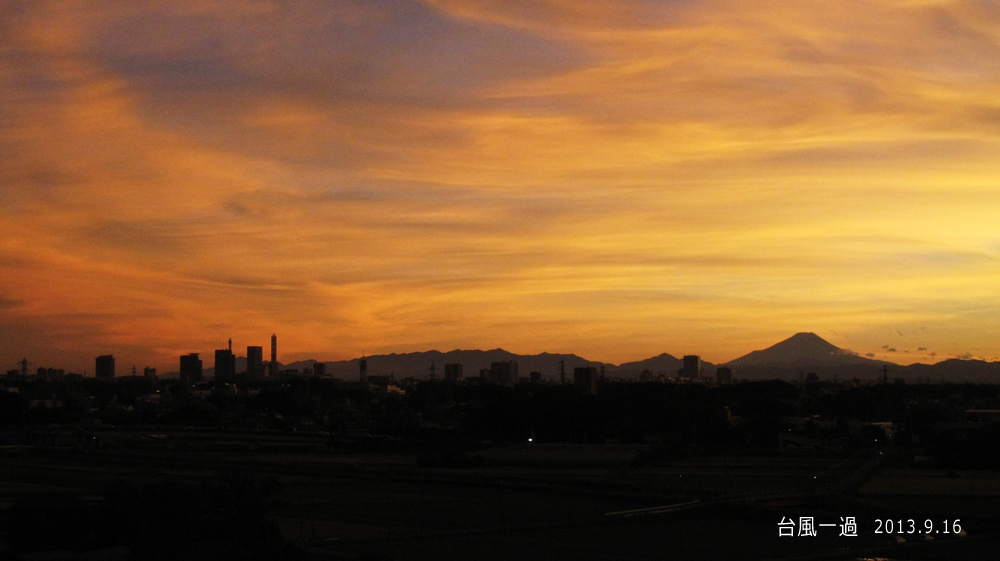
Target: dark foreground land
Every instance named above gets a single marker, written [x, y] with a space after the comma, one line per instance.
[302, 499]
[313, 468]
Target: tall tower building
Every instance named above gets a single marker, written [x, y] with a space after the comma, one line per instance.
[104, 367]
[255, 363]
[190, 369]
[224, 363]
[274, 356]
[692, 367]
[363, 375]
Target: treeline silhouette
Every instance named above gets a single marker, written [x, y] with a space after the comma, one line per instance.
[672, 419]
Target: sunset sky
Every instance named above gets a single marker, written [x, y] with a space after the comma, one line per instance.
[613, 179]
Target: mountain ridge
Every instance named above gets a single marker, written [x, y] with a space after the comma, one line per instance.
[803, 352]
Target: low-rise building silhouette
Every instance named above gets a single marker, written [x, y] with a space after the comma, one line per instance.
[585, 378]
[51, 374]
[453, 372]
[504, 372]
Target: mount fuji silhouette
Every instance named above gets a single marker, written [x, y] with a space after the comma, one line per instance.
[803, 347]
[804, 352]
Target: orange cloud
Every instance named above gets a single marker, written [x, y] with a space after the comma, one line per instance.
[616, 180]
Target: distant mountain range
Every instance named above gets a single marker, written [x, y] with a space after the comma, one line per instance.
[797, 356]
[664, 364]
[418, 365]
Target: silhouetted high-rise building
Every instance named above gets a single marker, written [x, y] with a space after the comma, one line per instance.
[225, 365]
[453, 372]
[723, 375]
[190, 369]
[363, 375]
[319, 369]
[585, 378]
[504, 372]
[273, 370]
[149, 372]
[104, 368]
[692, 367]
[255, 363]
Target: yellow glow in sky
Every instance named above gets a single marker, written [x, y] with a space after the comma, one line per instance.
[611, 179]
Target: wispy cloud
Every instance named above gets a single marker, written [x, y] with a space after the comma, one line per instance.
[619, 178]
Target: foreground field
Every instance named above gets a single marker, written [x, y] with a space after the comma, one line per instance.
[384, 506]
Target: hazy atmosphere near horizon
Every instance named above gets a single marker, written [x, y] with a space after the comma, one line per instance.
[610, 179]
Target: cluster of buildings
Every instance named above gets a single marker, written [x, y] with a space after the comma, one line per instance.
[506, 373]
[692, 370]
[499, 373]
[191, 365]
[225, 364]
